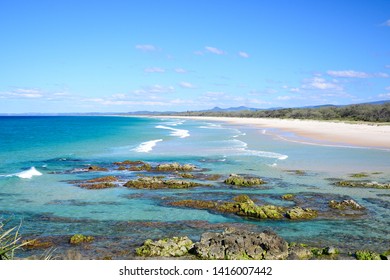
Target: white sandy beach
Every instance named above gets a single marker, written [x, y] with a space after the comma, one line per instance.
[337, 133]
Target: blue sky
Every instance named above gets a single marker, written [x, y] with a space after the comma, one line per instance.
[120, 56]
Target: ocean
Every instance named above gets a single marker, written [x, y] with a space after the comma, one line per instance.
[41, 157]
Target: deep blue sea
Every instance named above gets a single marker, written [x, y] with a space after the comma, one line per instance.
[39, 156]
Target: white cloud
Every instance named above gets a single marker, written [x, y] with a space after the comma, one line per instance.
[154, 70]
[348, 74]
[320, 84]
[215, 50]
[22, 93]
[388, 88]
[186, 85]
[180, 70]
[386, 23]
[387, 66]
[285, 97]
[146, 48]
[243, 54]
[385, 95]
[356, 74]
[381, 75]
[198, 53]
[155, 89]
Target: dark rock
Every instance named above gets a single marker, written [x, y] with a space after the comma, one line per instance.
[299, 252]
[236, 244]
[93, 168]
[98, 183]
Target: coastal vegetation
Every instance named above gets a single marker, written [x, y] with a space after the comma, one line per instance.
[360, 112]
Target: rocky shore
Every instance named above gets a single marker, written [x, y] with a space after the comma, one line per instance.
[236, 243]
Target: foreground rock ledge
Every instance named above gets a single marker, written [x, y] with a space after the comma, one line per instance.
[234, 244]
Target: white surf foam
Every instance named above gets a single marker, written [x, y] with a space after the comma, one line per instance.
[181, 133]
[26, 174]
[242, 148]
[146, 147]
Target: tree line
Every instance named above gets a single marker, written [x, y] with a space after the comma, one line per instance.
[359, 112]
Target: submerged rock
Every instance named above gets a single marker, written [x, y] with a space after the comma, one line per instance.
[93, 168]
[359, 175]
[234, 244]
[38, 244]
[168, 247]
[238, 180]
[345, 204]
[245, 207]
[298, 213]
[79, 238]
[98, 183]
[157, 183]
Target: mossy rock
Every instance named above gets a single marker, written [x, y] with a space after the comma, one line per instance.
[237, 180]
[366, 255]
[175, 167]
[345, 204]
[79, 238]
[288, 196]
[103, 179]
[359, 175]
[156, 183]
[360, 184]
[298, 213]
[168, 247]
[186, 175]
[37, 244]
[297, 172]
[197, 204]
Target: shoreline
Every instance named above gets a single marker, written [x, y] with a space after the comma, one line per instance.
[326, 132]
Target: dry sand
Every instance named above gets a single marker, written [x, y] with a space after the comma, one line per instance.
[337, 133]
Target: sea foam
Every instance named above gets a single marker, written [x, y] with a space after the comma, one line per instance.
[146, 147]
[182, 133]
[242, 148]
[26, 174]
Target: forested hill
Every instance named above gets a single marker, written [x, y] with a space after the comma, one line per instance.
[359, 112]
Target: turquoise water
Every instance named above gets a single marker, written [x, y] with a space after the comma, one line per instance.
[39, 155]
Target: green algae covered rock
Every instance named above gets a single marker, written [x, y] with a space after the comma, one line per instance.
[361, 184]
[366, 255]
[79, 238]
[298, 213]
[237, 180]
[288, 196]
[250, 209]
[345, 204]
[175, 167]
[157, 183]
[168, 247]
